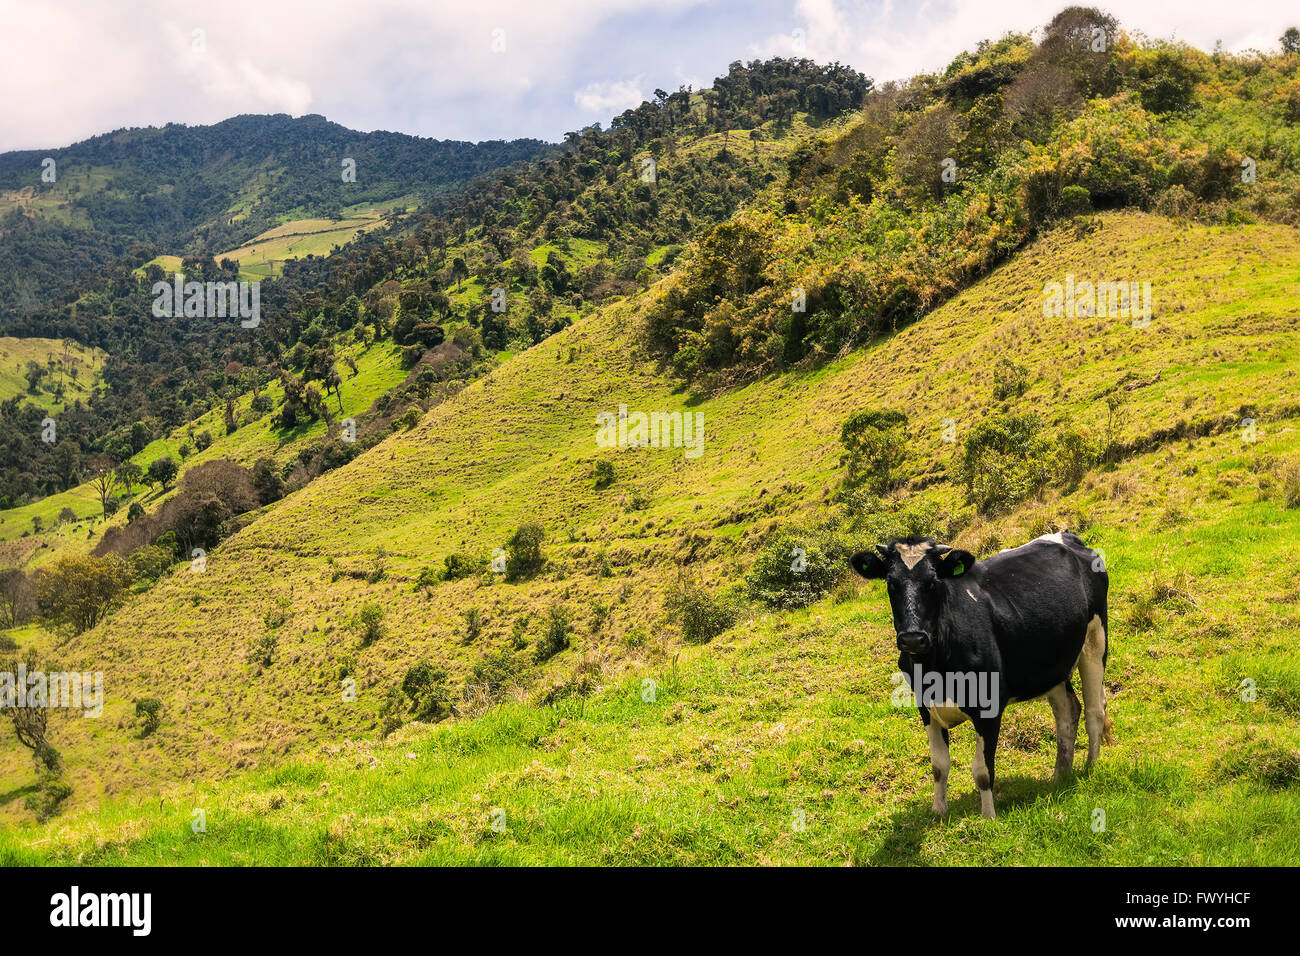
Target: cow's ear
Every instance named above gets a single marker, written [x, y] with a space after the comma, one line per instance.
[869, 564]
[954, 563]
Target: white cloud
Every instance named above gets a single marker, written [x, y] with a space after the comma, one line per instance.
[609, 99]
[74, 68]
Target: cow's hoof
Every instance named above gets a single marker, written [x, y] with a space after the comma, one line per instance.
[939, 809]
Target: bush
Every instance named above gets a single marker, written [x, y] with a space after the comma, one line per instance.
[262, 650]
[874, 448]
[1009, 380]
[149, 711]
[368, 623]
[555, 636]
[1075, 201]
[163, 471]
[604, 473]
[1004, 461]
[426, 688]
[524, 550]
[797, 568]
[148, 564]
[457, 565]
[47, 801]
[701, 614]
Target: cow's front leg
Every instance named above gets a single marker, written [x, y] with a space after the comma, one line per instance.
[939, 762]
[986, 745]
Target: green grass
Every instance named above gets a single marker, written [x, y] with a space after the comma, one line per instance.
[786, 712]
[68, 355]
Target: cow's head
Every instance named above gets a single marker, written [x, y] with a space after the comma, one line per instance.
[916, 572]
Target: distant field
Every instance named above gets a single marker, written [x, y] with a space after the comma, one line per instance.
[264, 256]
[76, 369]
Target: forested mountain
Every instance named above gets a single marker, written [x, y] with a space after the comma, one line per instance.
[201, 190]
[557, 235]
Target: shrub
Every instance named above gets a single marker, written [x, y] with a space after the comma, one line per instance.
[701, 614]
[1009, 380]
[1004, 461]
[555, 635]
[524, 548]
[457, 565]
[473, 624]
[148, 564]
[368, 623]
[17, 597]
[1075, 201]
[149, 711]
[163, 471]
[47, 801]
[1291, 483]
[266, 480]
[426, 688]
[262, 651]
[874, 448]
[796, 568]
[604, 473]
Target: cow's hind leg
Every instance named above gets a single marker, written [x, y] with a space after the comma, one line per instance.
[986, 745]
[1092, 673]
[1065, 709]
[939, 762]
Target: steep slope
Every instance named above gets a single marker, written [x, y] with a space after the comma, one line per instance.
[793, 707]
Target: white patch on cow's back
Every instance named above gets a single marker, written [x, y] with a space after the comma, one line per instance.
[1055, 538]
[912, 553]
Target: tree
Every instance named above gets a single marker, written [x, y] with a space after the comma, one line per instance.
[128, 475]
[163, 471]
[104, 481]
[17, 597]
[1291, 40]
[31, 724]
[77, 590]
[459, 271]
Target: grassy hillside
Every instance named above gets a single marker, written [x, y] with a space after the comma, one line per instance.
[378, 369]
[75, 370]
[786, 716]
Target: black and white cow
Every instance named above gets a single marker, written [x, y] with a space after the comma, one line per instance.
[976, 636]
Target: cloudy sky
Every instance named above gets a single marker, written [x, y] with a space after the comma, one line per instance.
[485, 69]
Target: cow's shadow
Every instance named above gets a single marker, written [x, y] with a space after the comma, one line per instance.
[911, 822]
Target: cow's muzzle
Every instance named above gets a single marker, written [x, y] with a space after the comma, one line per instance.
[913, 642]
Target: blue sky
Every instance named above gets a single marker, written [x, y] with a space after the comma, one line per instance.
[484, 69]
